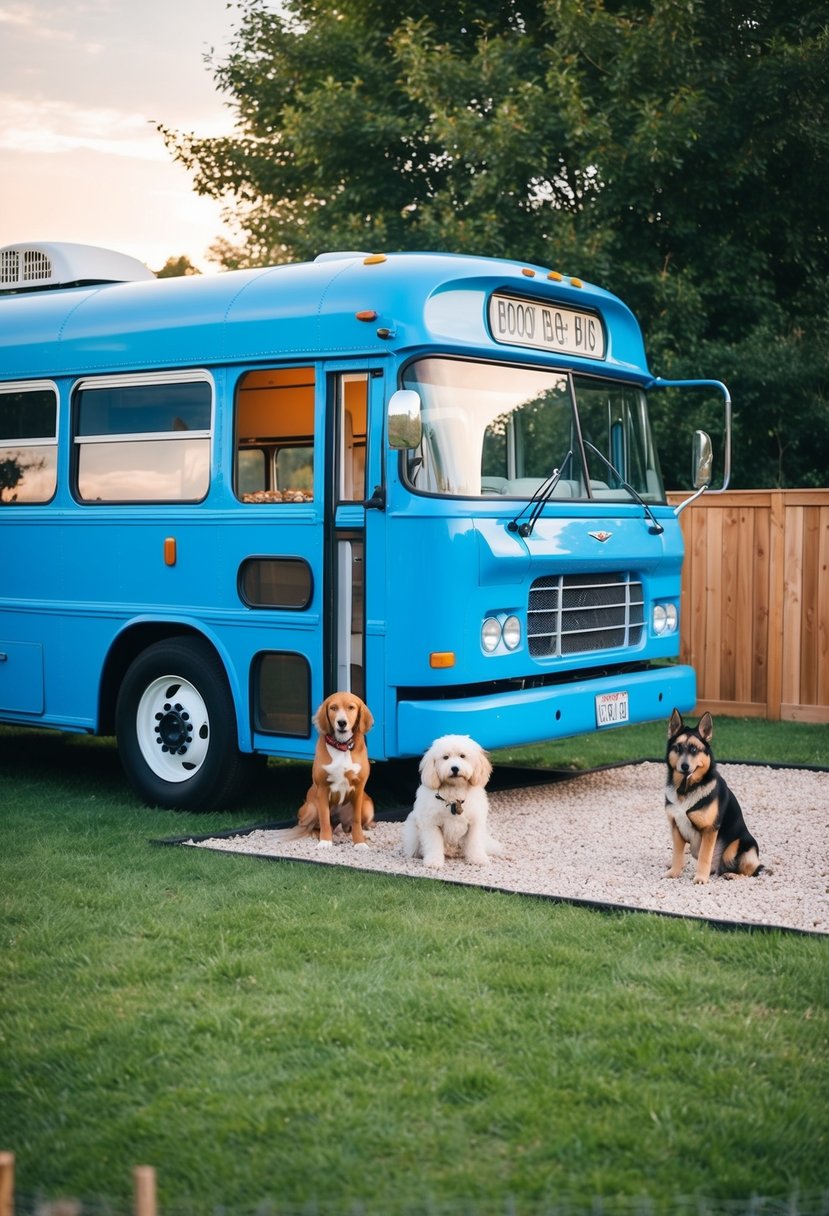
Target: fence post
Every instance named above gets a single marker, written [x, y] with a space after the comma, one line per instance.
[144, 1190]
[6, 1184]
[777, 603]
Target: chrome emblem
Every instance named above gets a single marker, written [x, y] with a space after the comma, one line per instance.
[601, 537]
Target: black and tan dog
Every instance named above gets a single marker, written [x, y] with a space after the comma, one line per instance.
[702, 810]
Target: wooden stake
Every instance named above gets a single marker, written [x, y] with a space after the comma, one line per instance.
[6, 1184]
[144, 1190]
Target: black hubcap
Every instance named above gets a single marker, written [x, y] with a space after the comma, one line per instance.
[173, 729]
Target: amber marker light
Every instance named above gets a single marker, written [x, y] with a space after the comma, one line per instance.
[367, 314]
[442, 658]
[529, 273]
[169, 551]
[576, 283]
[555, 276]
[374, 259]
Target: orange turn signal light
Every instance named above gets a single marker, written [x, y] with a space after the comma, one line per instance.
[442, 658]
[169, 551]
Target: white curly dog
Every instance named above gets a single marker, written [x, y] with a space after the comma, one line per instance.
[451, 806]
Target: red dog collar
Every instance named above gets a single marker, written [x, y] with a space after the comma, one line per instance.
[341, 747]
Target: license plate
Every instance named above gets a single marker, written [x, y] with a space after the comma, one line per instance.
[611, 708]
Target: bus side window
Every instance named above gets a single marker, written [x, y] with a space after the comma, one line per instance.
[28, 444]
[143, 438]
[275, 435]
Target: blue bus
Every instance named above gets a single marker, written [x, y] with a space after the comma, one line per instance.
[426, 478]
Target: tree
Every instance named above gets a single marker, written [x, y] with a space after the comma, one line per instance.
[673, 150]
[177, 267]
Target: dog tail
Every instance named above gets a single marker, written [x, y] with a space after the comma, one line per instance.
[297, 832]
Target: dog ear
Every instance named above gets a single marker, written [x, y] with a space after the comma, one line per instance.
[483, 769]
[705, 727]
[428, 770]
[365, 719]
[675, 724]
[321, 718]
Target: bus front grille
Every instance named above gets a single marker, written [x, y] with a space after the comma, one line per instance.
[580, 613]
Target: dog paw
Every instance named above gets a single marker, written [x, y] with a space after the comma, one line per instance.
[700, 879]
[433, 863]
[673, 873]
[325, 844]
[361, 845]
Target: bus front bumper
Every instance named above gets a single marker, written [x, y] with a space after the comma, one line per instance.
[511, 719]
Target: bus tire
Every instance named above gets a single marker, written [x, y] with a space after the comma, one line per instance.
[176, 728]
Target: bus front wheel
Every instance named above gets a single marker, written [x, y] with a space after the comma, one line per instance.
[176, 727]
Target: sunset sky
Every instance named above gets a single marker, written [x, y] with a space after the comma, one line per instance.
[82, 85]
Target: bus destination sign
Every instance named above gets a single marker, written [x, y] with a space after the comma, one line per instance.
[546, 327]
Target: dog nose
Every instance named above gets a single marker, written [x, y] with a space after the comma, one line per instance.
[341, 724]
[455, 770]
[685, 766]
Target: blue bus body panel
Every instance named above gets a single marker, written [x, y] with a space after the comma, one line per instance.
[535, 714]
[283, 312]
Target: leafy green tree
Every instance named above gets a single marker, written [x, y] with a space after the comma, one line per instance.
[674, 151]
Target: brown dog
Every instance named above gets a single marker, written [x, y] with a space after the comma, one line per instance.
[340, 771]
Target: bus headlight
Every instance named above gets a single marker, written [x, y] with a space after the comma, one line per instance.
[511, 632]
[665, 619]
[490, 634]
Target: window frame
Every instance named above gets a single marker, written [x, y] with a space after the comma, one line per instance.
[140, 380]
[49, 442]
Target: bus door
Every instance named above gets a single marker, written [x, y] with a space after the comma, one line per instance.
[301, 466]
[355, 399]
[280, 477]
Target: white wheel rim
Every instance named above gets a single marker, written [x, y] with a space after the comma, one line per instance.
[173, 728]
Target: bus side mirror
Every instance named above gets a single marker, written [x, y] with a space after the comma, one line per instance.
[702, 460]
[405, 429]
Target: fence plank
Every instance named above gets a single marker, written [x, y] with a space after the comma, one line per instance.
[6, 1184]
[809, 608]
[792, 606]
[728, 603]
[712, 666]
[143, 1177]
[823, 606]
[759, 588]
[746, 624]
[777, 524]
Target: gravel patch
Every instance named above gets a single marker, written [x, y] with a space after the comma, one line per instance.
[603, 838]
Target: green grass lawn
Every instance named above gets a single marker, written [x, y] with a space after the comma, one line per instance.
[278, 1037]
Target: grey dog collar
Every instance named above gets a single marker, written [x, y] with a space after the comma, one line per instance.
[456, 808]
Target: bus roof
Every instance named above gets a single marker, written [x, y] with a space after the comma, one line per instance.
[347, 304]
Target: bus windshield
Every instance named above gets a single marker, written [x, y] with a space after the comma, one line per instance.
[490, 430]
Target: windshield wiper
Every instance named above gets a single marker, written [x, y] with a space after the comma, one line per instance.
[655, 526]
[542, 495]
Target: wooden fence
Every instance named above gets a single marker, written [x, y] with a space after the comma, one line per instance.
[143, 1189]
[755, 602]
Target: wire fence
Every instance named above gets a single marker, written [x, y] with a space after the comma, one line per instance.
[144, 1202]
[796, 1204]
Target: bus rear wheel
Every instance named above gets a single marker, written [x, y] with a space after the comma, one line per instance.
[176, 728]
